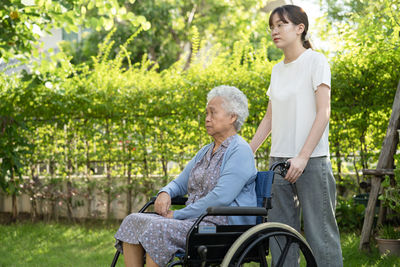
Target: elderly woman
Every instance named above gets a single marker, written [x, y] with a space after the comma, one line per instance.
[221, 174]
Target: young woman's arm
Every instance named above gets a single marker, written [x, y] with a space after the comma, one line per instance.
[263, 130]
[298, 163]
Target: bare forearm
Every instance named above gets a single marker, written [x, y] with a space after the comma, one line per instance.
[262, 132]
[320, 122]
[317, 129]
[323, 107]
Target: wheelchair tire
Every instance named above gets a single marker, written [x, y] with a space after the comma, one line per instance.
[261, 233]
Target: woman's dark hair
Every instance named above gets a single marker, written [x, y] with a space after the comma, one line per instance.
[294, 14]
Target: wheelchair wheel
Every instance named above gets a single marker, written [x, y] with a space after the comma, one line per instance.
[259, 235]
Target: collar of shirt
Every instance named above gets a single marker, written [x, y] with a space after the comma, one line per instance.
[223, 145]
[228, 140]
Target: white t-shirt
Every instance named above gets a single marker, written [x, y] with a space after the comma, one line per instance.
[292, 95]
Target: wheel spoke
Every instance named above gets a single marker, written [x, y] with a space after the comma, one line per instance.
[282, 257]
[262, 255]
[249, 247]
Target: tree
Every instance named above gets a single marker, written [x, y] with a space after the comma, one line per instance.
[175, 24]
[13, 144]
[364, 76]
[23, 22]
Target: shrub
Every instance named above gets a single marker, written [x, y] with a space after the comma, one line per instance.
[349, 215]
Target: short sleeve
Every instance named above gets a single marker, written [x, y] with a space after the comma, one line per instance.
[321, 72]
[271, 81]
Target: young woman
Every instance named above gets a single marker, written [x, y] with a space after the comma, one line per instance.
[297, 117]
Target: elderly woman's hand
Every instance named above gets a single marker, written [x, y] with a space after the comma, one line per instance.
[162, 204]
[170, 214]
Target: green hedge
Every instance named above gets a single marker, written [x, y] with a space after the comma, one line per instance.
[138, 120]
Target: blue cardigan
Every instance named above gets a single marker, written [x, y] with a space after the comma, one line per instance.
[235, 187]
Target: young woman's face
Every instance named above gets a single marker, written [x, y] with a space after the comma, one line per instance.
[283, 33]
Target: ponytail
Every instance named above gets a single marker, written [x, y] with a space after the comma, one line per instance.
[305, 38]
[307, 44]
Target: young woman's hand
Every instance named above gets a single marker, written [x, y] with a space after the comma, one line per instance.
[297, 166]
[162, 204]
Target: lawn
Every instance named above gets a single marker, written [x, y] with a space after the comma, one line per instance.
[52, 244]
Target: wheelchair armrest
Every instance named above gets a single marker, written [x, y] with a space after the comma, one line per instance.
[240, 211]
[179, 200]
[174, 201]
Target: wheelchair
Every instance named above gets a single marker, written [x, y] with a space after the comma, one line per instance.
[235, 245]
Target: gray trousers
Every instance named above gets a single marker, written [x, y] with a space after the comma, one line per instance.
[314, 193]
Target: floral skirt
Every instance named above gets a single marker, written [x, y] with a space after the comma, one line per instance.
[160, 237]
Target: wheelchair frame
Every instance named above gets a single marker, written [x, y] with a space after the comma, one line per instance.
[233, 245]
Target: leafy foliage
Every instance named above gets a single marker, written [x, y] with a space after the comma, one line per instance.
[364, 78]
[133, 120]
[391, 192]
[137, 119]
[349, 214]
[388, 232]
[23, 22]
[173, 26]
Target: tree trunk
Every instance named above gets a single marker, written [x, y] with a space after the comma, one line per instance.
[189, 58]
[129, 184]
[69, 202]
[14, 207]
[69, 173]
[341, 188]
[14, 198]
[164, 160]
[88, 175]
[356, 170]
[33, 185]
[385, 162]
[108, 204]
[53, 213]
[129, 191]
[69, 194]
[34, 214]
[89, 202]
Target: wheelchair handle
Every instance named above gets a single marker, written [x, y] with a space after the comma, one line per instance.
[280, 167]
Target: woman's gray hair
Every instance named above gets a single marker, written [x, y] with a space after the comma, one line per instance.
[234, 102]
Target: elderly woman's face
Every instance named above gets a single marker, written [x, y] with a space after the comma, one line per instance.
[218, 121]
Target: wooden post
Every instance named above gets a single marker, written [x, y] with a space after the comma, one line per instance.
[385, 162]
[378, 172]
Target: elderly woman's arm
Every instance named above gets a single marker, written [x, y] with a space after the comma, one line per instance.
[178, 187]
[238, 171]
[175, 188]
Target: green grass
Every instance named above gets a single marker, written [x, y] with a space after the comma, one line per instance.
[52, 244]
[353, 257]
